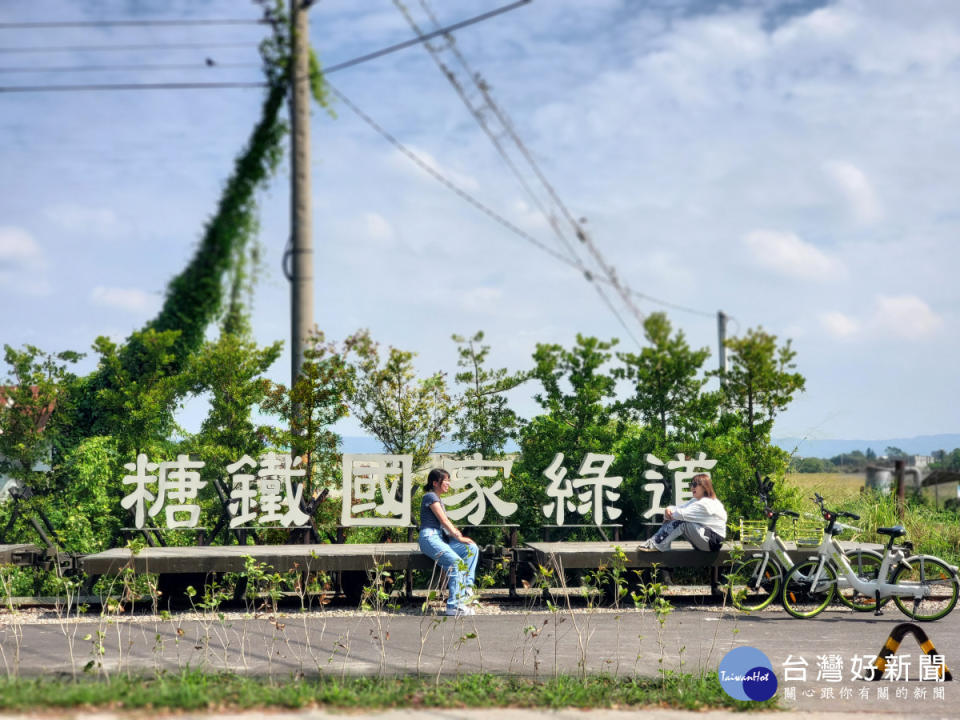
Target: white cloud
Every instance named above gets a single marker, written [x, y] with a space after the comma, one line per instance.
[856, 190]
[18, 249]
[22, 263]
[82, 218]
[462, 180]
[480, 299]
[787, 254]
[839, 325]
[378, 228]
[892, 316]
[129, 299]
[904, 316]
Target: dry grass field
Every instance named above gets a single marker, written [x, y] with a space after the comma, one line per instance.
[835, 487]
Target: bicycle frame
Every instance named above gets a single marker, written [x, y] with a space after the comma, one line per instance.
[773, 546]
[829, 549]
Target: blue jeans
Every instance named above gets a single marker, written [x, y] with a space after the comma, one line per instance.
[458, 559]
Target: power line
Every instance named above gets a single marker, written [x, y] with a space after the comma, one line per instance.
[110, 48]
[206, 64]
[485, 209]
[428, 36]
[505, 128]
[616, 314]
[450, 185]
[131, 86]
[481, 120]
[126, 23]
[674, 306]
[200, 86]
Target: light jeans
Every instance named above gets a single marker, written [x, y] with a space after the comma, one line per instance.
[672, 529]
[458, 559]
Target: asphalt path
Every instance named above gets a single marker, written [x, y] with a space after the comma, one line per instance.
[533, 643]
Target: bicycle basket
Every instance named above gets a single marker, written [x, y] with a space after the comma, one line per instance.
[806, 533]
[752, 532]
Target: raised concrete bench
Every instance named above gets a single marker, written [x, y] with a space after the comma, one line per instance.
[280, 558]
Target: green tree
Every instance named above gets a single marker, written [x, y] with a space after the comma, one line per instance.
[894, 452]
[33, 398]
[577, 399]
[484, 422]
[231, 370]
[138, 393]
[760, 382]
[667, 381]
[406, 414]
[310, 408]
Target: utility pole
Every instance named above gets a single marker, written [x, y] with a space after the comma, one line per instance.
[301, 223]
[722, 335]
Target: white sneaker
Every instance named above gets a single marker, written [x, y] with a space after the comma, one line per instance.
[460, 611]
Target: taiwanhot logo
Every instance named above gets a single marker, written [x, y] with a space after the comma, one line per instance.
[746, 674]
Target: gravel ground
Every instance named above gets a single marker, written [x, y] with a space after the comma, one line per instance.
[492, 602]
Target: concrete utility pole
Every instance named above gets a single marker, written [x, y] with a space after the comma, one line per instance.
[301, 281]
[722, 334]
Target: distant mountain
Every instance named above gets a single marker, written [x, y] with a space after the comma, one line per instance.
[362, 444]
[920, 445]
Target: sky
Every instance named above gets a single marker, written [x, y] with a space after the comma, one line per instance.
[793, 164]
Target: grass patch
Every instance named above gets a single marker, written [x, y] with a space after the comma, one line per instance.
[835, 487]
[194, 690]
[932, 531]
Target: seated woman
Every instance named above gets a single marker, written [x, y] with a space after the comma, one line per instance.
[701, 520]
[451, 549]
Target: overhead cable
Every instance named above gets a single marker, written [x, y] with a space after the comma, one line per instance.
[125, 23]
[506, 127]
[205, 65]
[140, 46]
[485, 209]
[479, 117]
[130, 86]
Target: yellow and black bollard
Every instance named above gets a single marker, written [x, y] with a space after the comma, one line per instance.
[892, 644]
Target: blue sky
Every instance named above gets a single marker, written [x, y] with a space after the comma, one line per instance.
[794, 165]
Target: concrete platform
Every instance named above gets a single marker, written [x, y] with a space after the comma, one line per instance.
[280, 558]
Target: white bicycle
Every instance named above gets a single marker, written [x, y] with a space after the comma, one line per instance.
[756, 578]
[924, 587]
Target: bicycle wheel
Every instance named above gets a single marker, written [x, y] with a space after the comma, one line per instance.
[939, 583]
[747, 589]
[800, 596]
[866, 564]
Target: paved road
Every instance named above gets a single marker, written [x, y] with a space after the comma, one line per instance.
[531, 643]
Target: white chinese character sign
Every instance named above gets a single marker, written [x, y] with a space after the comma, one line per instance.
[179, 481]
[174, 488]
[376, 490]
[591, 491]
[471, 495]
[684, 469]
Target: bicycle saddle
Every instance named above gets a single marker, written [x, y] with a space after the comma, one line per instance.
[895, 531]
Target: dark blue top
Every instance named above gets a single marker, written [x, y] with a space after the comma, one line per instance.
[427, 518]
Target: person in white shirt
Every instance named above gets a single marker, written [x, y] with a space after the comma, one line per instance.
[701, 520]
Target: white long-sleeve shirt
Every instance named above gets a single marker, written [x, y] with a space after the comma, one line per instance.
[706, 511]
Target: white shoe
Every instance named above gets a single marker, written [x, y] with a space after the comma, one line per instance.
[460, 611]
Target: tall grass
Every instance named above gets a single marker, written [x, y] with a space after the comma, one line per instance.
[932, 531]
